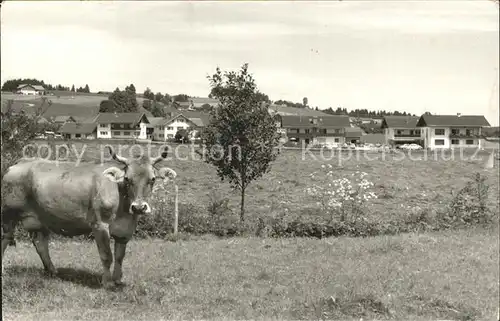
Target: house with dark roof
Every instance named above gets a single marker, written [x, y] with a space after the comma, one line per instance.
[122, 125]
[72, 130]
[400, 130]
[452, 131]
[27, 89]
[318, 129]
[353, 135]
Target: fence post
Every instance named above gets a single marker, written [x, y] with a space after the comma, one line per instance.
[176, 209]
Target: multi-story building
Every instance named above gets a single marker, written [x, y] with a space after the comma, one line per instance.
[122, 125]
[400, 130]
[452, 131]
[318, 129]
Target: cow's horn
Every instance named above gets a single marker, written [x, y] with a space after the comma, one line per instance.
[118, 157]
[162, 156]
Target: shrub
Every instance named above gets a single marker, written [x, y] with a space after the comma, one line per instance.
[468, 206]
[343, 198]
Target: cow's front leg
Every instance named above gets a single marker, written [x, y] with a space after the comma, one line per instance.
[120, 249]
[101, 235]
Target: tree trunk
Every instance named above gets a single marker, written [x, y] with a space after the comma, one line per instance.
[242, 208]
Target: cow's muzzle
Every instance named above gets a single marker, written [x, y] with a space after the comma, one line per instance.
[139, 207]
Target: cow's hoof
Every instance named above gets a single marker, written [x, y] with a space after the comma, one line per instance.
[50, 273]
[110, 285]
[120, 284]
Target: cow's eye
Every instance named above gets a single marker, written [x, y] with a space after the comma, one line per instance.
[153, 180]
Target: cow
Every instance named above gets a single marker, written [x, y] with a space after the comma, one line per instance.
[59, 197]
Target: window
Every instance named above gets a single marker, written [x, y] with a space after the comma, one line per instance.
[162, 135]
[117, 133]
[170, 128]
[103, 133]
[162, 127]
[455, 131]
[337, 131]
[469, 142]
[78, 135]
[337, 140]
[468, 132]
[103, 125]
[455, 141]
[322, 131]
[439, 142]
[439, 131]
[399, 132]
[180, 120]
[417, 132]
[307, 131]
[126, 133]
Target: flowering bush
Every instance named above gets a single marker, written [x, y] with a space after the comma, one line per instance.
[341, 196]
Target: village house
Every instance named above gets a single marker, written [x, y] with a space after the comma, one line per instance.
[399, 130]
[72, 130]
[166, 128]
[452, 131]
[353, 135]
[122, 125]
[320, 129]
[27, 89]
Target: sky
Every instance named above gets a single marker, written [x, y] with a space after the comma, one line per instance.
[413, 56]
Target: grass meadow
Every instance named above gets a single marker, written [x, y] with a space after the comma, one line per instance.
[450, 274]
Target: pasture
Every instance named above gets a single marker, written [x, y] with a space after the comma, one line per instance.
[66, 98]
[404, 184]
[449, 274]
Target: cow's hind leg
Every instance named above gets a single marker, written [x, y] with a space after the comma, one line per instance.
[102, 239]
[40, 240]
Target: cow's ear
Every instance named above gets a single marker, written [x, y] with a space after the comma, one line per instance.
[166, 174]
[114, 174]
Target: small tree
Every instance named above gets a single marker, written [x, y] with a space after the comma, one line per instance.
[241, 137]
[182, 136]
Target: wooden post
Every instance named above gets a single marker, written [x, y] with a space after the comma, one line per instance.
[176, 209]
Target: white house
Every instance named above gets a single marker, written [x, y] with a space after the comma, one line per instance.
[402, 130]
[122, 125]
[172, 125]
[452, 131]
[27, 89]
[165, 128]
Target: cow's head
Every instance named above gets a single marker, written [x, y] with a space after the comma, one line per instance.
[137, 178]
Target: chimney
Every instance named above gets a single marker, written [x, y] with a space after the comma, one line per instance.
[459, 114]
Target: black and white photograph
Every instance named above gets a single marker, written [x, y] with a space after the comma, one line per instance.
[250, 160]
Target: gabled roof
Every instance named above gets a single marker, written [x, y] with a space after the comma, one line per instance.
[156, 121]
[323, 121]
[168, 121]
[353, 132]
[78, 128]
[400, 122]
[36, 87]
[122, 118]
[452, 120]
